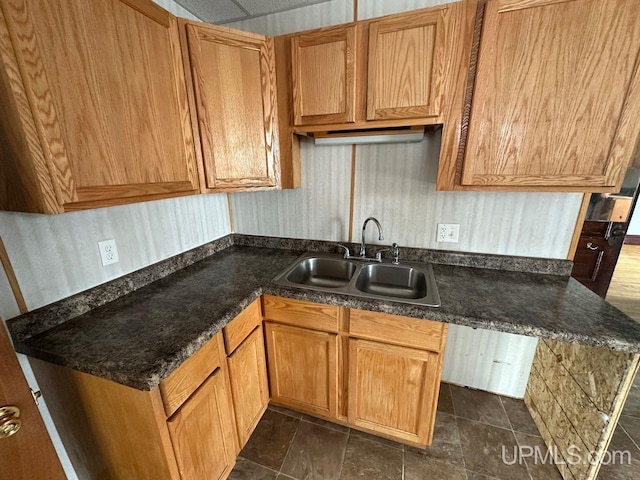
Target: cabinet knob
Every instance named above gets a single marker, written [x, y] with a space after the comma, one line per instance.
[10, 421]
[591, 246]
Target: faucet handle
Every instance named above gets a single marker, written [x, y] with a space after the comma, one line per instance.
[395, 248]
[347, 252]
[378, 257]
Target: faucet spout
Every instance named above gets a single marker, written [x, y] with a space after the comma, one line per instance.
[364, 228]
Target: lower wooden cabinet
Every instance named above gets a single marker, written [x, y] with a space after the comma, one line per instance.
[303, 368]
[393, 390]
[202, 432]
[378, 373]
[191, 426]
[249, 386]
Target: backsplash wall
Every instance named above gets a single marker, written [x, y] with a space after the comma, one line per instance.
[396, 184]
[55, 256]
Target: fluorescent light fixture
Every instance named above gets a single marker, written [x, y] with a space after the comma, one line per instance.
[370, 138]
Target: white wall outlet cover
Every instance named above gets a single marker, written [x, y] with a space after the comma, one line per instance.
[448, 232]
[108, 252]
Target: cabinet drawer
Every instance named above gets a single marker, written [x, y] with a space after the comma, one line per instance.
[315, 316]
[405, 331]
[178, 386]
[240, 327]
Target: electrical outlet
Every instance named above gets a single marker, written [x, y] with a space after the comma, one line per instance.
[448, 232]
[108, 252]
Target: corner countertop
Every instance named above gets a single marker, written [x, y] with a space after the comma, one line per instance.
[141, 337]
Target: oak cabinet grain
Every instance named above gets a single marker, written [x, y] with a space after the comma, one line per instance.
[556, 97]
[96, 103]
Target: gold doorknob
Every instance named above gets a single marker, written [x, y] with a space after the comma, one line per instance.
[10, 421]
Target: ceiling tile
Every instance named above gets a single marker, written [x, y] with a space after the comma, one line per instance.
[214, 11]
[261, 7]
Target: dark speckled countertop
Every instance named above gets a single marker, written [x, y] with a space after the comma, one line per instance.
[141, 337]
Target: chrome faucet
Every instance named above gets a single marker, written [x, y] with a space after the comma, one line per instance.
[364, 228]
[395, 249]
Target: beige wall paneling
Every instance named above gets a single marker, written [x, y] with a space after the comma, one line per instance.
[396, 184]
[319, 209]
[64, 247]
[493, 361]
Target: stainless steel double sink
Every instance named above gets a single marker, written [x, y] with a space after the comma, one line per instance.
[407, 282]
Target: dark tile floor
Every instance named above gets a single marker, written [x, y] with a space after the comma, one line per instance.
[471, 429]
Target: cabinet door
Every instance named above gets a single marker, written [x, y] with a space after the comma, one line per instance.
[106, 88]
[202, 432]
[323, 77]
[393, 390]
[406, 66]
[235, 95]
[303, 368]
[557, 94]
[248, 375]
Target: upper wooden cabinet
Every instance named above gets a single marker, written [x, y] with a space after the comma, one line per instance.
[324, 88]
[234, 107]
[94, 107]
[406, 66]
[398, 70]
[557, 96]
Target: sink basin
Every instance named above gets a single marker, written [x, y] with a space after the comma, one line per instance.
[322, 272]
[395, 281]
[409, 282]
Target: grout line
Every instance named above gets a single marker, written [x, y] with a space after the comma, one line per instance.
[284, 459]
[298, 415]
[453, 404]
[258, 464]
[630, 437]
[287, 476]
[352, 193]
[506, 414]
[344, 454]
[11, 277]
[328, 427]
[515, 437]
